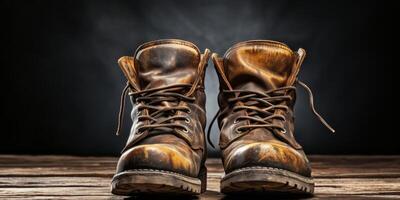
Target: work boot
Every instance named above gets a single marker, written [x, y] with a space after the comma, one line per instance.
[166, 148]
[256, 99]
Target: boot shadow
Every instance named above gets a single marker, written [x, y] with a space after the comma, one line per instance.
[212, 195]
[267, 195]
[161, 197]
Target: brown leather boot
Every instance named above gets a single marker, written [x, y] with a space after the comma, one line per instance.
[257, 95]
[166, 149]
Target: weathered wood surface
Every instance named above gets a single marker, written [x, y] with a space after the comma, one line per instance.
[69, 177]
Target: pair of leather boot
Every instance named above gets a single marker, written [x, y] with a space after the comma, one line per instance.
[166, 148]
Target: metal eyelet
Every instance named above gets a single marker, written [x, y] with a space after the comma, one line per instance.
[187, 120]
[189, 111]
[185, 130]
[238, 131]
[235, 121]
[283, 131]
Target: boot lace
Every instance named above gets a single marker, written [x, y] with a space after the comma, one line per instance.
[159, 116]
[152, 103]
[261, 108]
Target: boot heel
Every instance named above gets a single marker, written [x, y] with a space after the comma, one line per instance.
[203, 178]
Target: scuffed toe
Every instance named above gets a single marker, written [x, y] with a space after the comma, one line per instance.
[272, 153]
[166, 157]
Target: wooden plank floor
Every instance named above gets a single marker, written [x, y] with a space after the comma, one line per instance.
[69, 177]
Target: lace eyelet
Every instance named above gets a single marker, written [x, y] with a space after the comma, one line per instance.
[238, 131]
[189, 111]
[185, 130]
[283, 131]
[187, 120]
[235, 121]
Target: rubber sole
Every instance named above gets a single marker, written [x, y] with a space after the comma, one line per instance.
[148, 181]
[266, 180]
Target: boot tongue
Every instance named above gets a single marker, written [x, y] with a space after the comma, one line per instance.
[259, 65]
[166, 62]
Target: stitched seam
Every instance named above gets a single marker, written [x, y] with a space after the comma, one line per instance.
[263, 42]
[167, 41]
[156, 170]
[260, 167]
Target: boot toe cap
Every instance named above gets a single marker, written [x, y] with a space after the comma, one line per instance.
[273, 154]
[166, 157]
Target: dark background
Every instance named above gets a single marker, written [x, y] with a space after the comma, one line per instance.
[61, 83]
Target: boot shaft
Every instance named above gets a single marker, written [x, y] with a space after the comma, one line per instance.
[164, 75]
[258, 67]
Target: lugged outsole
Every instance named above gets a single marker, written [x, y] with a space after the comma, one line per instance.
[148, 181]
[266, 180]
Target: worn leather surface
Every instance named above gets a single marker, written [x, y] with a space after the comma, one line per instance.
[158, 64]
[258, 66]
[165, 63]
